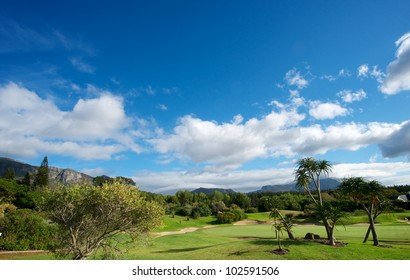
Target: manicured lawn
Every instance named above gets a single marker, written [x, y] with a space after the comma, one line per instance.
[256, 241]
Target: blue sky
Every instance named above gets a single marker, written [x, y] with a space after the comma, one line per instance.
[186, 94]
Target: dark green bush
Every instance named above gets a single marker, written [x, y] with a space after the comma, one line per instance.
[25, 229]
[201, 210]
[230, 216]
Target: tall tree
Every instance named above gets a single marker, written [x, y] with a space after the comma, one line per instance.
[369, 194]
[41, 179]
[90, 217]
[307, 177]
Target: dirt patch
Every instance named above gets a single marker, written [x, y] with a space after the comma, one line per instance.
[8, 255]
[250, 222]
[182, 231]
[280, 252]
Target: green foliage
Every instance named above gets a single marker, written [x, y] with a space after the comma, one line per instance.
[41, 179]
[9, 174]
[201, 210]
[25, 229]
[230, 216]
[90, 217]
[17, 194]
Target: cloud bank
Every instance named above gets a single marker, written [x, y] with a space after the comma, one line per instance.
[398, 71]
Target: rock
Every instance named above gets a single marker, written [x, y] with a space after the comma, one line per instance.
[68, 176]
[311, 236]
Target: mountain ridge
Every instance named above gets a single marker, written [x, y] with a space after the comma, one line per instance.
[56, 174]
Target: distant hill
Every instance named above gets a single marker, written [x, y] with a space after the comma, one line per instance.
[20, 168]
[209, 191]
[326, 184]
[59, 175]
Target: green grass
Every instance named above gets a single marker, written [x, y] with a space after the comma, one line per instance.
[256, 242]
[178, 222]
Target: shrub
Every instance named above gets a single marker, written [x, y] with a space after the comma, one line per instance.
[25, 229]
[184, 211]
[230, 216]
[201, 210]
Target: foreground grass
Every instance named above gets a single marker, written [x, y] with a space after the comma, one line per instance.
[256, 242]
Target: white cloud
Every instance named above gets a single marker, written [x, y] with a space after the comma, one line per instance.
[250, 180]
[348, 96]
[94, 129]
[162, 107]
[342, 73]
[324, 111]
[398, 143]
[294, 78]
[230, 145]
[362, 70]
[398, 71]
[82, 66]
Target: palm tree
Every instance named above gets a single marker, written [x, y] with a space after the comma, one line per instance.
[307, 175]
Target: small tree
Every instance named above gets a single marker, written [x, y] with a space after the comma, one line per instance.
[308, 173]
[90, 217]
[369, 194]
[286, 221]
[41, 179]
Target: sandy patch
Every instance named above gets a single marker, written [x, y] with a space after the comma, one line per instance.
[250, 222]
[182, 231]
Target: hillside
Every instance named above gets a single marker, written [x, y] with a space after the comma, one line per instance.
[326, 184]
[209, 191]
[59, 175]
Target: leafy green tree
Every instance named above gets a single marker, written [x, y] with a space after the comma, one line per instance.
[25, 229]
[184, 197]
[41, 179]
[242, 200]
[307, 177]
[9, 174]
[125, 180]
[90, 217]
[101, 180]
[369, 194]
[17, 194]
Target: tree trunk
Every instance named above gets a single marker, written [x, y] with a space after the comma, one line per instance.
[288, 230]
[372, 227]
[329, 232]
[367, 234]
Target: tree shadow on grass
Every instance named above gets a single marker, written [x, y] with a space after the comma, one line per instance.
[286, 242]
[182, 250]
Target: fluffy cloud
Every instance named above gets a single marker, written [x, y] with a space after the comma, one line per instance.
[324, 111]
[364, 71]
[398, 71]
[30, 125]
[398, 143]
[349, 97]
[229, 145]
[294, 78]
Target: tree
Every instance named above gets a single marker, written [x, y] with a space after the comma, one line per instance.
[286, 222]
[25, 229]
[90, 217]
[307, 176]
[369, 194]
[9, 174]
[41, 179]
